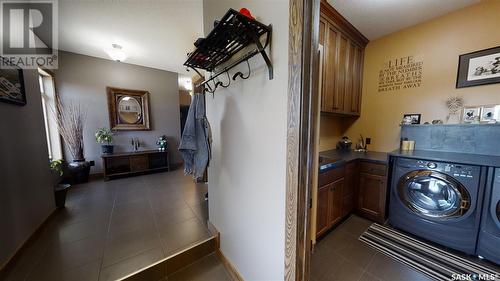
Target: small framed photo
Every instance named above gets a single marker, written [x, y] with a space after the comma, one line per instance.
[490, 113]
[479, 68]
[471, 114]
[411, 119]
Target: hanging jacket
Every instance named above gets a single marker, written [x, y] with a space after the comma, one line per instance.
[195, 140]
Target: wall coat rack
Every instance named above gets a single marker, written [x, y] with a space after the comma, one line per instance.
[230, 35]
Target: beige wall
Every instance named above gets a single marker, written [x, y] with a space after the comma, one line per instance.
[246, 180]
[26, 183]
[439, 42]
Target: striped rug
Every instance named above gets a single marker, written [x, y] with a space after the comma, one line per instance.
[430, 260]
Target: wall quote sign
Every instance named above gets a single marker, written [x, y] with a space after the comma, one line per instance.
[401, 73]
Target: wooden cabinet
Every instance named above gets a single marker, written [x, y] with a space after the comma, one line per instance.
[372, 191]
[130, 163]
[343, 50]
[358, 186]
[350, 185]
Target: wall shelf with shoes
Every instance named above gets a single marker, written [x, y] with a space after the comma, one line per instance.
[234, 32]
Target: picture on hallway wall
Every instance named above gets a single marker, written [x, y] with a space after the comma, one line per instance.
[12, 85]
[479, 68]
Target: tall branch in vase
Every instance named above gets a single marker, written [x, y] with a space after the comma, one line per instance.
[70, 123]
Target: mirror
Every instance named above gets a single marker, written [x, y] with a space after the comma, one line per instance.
[128, 109]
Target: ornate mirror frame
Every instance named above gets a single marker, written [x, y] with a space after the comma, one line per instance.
[115, 123]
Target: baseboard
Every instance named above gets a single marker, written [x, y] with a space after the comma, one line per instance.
[10, 263]
[229, 266]
[225, 261]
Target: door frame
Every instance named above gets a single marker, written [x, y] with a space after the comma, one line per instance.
[302, 124]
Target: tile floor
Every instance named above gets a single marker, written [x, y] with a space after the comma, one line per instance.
[341, 256]
[209, 268]
[110, 229]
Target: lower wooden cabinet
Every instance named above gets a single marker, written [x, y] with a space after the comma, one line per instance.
[322, 221]
[358, 186]
[371, 197]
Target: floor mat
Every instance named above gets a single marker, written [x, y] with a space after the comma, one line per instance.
[428, 259]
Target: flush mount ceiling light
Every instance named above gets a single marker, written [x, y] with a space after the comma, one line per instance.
[116, 53]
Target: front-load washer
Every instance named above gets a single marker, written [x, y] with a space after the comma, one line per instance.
[488, 245]
[437, 201]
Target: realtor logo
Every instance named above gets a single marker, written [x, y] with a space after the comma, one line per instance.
[29, 34]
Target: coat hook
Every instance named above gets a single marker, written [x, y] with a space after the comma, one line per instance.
[240, 74]
[219, 83]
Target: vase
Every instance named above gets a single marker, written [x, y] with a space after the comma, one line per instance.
[79, 171]
[453, 118]
[107, 149]
[60, 194]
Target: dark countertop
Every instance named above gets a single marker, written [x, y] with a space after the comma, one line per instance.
[453, 157]
[339, 158]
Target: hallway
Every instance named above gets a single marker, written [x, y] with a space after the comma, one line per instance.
[113, 228]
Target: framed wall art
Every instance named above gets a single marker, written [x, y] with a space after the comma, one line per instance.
[128, 109]
[12, 84]
[479, 68]
[471, 114]
[412, 119]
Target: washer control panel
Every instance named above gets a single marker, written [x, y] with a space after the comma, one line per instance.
[455, 170]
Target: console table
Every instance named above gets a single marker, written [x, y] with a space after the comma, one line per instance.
[134, 163]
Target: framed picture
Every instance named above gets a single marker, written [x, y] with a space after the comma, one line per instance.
[411, 119]
[479, 68]
[471, 114]
[128, 109]
[12, 85]
[490, 113]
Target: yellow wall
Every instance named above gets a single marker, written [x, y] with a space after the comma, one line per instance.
[439, 42]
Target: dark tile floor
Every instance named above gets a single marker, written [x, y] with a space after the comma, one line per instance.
[209, 268]
[341, 256]
[110, 229]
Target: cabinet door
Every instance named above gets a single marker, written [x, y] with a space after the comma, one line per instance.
[342, 75]
[371, 196]
[330, 69]
[356, 79]
[322, 222]
[349, 188]
[336, 201]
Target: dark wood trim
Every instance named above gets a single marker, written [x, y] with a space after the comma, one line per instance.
[343, 24]
[10, 264]
[301, 133]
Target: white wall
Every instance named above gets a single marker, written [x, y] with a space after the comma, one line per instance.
[84, 79]
[247, 170]
[26, 191]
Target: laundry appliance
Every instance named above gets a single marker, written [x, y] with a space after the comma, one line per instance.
[488, 245]
[437, 201]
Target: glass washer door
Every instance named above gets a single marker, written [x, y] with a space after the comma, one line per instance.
[433, 194]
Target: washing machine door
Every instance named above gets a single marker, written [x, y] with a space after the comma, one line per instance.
[495, 205]
[433, 195]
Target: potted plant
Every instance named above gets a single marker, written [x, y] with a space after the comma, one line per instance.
[60, 188]
[104, 136]
[70, 123]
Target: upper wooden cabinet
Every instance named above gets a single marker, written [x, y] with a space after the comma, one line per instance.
[343, 51]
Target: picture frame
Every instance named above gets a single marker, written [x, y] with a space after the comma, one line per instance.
[128, 109]
[479, 68]
[412, 119]
[471, 114]
[12, 89]
[490, 113]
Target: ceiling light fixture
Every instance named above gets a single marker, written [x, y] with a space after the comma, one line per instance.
[116, 53]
